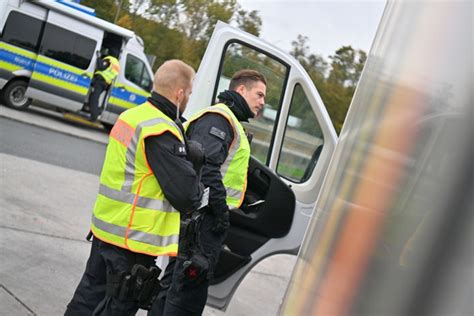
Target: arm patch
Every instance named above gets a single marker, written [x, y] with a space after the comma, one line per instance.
[217, 132]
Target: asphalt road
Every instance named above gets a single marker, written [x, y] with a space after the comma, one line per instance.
[44, 145]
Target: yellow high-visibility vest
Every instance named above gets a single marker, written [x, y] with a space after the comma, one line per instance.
[234, 169]
[131, 210]
[110, 72]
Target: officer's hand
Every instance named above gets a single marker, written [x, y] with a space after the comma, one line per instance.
[221, 223]
[196, 155]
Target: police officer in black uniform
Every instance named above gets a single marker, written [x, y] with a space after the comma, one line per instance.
[245, 98]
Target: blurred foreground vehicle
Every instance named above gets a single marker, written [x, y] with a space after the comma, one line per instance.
[394, 224]
[390, 206]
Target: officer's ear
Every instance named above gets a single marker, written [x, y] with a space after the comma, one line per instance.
[179, 96]
[240, 89]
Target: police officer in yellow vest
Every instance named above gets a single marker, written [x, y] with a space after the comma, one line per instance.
[147, 180]
[106, 70]
[227, 150]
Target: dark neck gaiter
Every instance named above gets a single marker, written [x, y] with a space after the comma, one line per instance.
[236, 104]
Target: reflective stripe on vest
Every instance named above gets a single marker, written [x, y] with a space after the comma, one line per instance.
[234, 169]
[131, 210]
[110, 72]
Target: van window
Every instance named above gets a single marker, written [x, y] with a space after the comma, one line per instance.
[67, 47]
[135, 71]
[241, 56]
[303, 140]
[22, 30]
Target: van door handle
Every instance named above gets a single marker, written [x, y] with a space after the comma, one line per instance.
[256, 203]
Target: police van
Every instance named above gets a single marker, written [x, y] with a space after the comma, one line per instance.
[48, 54]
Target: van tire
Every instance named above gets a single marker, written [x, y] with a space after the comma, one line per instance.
[14, 95]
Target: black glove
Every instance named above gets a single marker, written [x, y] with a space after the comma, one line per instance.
[196, 155]
[221, 222]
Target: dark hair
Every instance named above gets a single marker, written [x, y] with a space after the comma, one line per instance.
[246, 77]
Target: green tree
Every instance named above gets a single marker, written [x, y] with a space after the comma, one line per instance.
[337, 99]
[347, 64]
[104, 9]
[198, 17]
[125, 21]
[197, 21]
[165, 12]
[300, 48]
[336, 83]
[249, 21]
[315, 65]
[160, 41]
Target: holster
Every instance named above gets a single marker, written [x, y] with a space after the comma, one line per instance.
[147, 285]
[140, 284]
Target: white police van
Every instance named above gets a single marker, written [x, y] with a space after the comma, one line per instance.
[48, 53]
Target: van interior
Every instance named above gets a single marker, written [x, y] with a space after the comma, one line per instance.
[111, 44]
[266, 212]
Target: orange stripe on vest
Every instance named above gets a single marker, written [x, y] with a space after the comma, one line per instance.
[122, 132]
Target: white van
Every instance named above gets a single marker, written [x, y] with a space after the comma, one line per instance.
[48, 53]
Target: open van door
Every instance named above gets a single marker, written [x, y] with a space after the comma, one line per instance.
[292, 144]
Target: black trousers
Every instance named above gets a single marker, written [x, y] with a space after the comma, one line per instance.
[182, 298]
[99, 85]
[90, 297]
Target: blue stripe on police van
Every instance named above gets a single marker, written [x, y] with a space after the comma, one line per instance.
[128, 96]
[62, 74]
[45, 69]
[76, 7]
[16, 59]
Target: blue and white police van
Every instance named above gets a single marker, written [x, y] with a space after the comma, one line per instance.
[48, 53]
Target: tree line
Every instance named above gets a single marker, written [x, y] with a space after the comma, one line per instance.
[182, 28]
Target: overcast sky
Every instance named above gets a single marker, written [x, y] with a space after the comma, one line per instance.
[327, 24]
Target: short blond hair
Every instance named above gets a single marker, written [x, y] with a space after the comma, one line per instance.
[171, 76]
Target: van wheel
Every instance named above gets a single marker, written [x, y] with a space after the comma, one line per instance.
[14, 95]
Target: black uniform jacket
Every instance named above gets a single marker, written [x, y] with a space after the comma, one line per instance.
[215, 134]
[172, 169]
